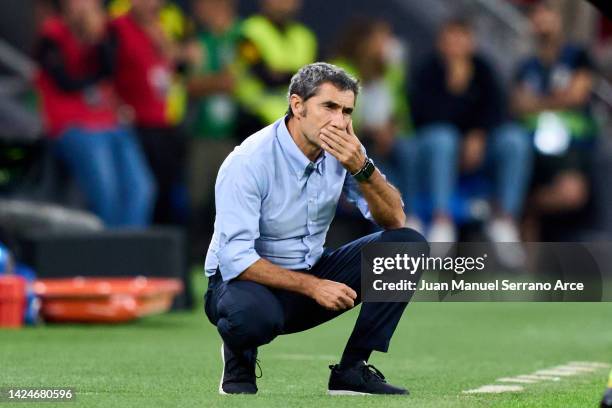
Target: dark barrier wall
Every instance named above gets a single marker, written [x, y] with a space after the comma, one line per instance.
[154, 253]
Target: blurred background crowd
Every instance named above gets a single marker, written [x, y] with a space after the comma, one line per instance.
[491, 117]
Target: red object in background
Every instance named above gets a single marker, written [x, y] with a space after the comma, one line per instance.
[12, 300]
[104, 300]
[93, 109]
[143, 74]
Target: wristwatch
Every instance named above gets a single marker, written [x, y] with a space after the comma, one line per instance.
[366, 171]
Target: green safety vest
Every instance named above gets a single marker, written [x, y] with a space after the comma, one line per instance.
[215, 115]
[283, 51]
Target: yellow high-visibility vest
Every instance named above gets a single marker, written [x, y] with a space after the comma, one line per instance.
[283, 52]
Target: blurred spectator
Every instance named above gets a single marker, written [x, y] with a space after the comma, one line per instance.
[369, 51]
[552, 94]
[42, 10]
[458, 107]
[275, 46]
[80, 113]
[171, 17]
[211, 83]
[144, 60]
[579, 19]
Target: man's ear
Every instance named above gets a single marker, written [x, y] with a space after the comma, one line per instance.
[297, 104]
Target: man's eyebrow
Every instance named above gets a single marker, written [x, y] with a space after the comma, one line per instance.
[332, 104]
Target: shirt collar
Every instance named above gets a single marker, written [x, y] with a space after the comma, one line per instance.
[300, 164]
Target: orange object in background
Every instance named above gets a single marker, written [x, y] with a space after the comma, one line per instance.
[12, 300]
[104, 300]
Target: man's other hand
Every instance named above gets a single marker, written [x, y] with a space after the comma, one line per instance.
[333, 295]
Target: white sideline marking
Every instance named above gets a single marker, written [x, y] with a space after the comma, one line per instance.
[550, 371]
[495, 389]
[547, 374]
[578, 367]
[517, 380]
[538, 377]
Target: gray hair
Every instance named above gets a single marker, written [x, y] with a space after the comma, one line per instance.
[305, 83]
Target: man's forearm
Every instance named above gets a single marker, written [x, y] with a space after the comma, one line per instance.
[268, 274]
[329, 294]
[384, 201]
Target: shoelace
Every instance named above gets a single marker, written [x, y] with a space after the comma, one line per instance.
[260, 370]
[369, 371]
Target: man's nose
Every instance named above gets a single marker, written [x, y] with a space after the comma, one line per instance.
[338, 120]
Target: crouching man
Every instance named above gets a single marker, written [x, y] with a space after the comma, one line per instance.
[276, 195]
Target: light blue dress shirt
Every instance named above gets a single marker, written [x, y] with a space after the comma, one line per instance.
[272, 202]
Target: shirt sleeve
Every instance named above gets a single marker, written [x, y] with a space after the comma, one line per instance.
[50, 58]
[238, 202]
[351, 192]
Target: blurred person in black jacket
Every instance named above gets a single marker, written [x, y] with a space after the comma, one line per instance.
[459, 111]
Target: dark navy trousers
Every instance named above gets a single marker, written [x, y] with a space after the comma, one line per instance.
[248, 314]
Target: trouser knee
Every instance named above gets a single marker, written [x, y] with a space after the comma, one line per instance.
[403, 235]
[244, 329]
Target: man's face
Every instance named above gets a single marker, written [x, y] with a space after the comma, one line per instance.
[281, 10]
[214, 14]
[147, 8]
[76, 9]
[376, 47]
[545, 24]
[456, 42]
[329, 107]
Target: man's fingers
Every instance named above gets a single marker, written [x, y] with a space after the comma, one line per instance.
[330, 150]
[328, 135]
[350, 128]
[341, 302]
[331, 143]
[341, 135]
[350, 292]
[346, 144]
[345, 299]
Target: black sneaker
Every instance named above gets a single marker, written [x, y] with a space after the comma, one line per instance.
[238, 376]
[361, 379]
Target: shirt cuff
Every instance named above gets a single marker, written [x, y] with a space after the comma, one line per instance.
[233, 264]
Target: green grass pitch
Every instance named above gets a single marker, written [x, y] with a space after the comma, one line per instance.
[438, 350]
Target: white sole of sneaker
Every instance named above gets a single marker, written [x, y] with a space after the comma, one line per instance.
[222, 373]
[346, 392]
